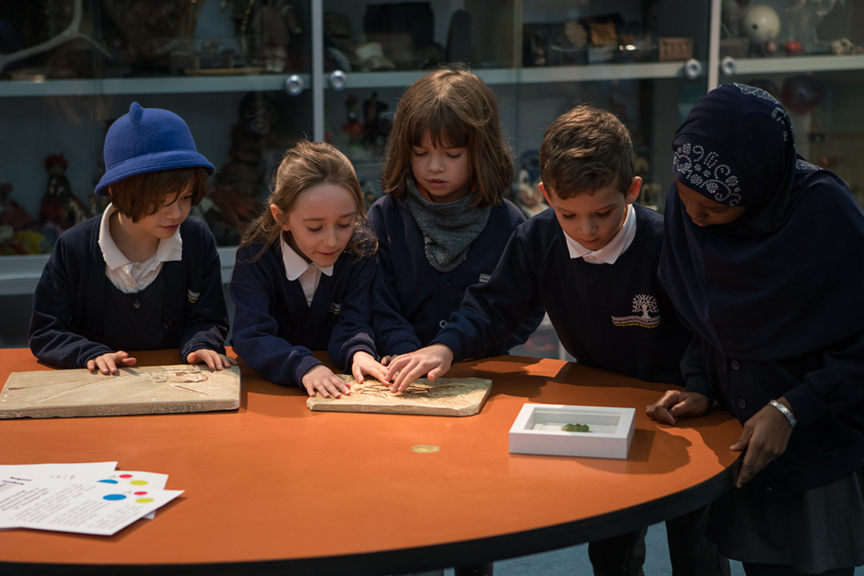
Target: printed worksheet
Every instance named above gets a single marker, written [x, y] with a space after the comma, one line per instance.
[141, 480]
[19, 474]
[98, 508]
[77, 472]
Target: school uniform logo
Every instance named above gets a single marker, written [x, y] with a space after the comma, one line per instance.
[192, 296]
[643, 306]
[484, 278]
[335, 308]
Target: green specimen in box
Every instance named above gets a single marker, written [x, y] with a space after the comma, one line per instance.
[575, 428]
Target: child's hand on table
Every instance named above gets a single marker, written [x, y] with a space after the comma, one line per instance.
[363, 363]
[213, 359]
[321, 379]
[433, 362]
[765, 437]
[108, 363]
[675, 404]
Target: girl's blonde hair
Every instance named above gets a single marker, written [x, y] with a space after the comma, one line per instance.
[304, 166]
[457, 109]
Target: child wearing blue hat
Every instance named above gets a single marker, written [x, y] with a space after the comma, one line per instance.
[144, 276]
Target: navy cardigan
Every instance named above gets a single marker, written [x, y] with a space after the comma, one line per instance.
[275, 330]
[612, 316]
[826, 391]
[68, 319]
[412, 300]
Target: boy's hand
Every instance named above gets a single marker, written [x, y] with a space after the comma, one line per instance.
[213, 359]
[765, 437]
[321, 379]
[363, 363]
[675, 404]
[433, 362]
[108, 363]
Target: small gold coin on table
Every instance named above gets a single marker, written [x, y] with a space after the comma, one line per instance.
[425, 448]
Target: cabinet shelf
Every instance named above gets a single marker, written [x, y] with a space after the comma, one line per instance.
[598, 72]
[538, 75]
[402, 79]
[20, 274]
[268, 82]
[798, 64]
[158, 85]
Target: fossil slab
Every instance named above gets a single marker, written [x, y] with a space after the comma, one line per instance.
[443, 397]
[135, 390]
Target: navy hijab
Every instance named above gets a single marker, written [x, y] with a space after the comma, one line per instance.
[787, 276]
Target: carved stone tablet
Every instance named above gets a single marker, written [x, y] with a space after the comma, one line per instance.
[443, 397]
[135, 390]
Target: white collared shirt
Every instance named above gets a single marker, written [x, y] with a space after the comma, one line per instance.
[131, 277]
[296, 268]
[610, 253]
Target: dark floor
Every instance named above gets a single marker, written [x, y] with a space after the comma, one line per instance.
[574, 561]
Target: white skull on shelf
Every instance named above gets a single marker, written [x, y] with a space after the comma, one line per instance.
[760, 23]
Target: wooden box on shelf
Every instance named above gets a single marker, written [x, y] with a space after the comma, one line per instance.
[671, 49]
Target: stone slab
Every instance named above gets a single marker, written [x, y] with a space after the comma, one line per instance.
[136, 390]
[443, 397]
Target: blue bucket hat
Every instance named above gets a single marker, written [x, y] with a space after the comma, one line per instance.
[148, 140]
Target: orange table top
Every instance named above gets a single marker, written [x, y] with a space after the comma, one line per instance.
[290, 489]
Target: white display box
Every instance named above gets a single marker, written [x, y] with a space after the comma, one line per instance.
[537, 430]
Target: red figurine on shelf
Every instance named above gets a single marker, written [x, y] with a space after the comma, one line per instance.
[60, 208]
[16, 236]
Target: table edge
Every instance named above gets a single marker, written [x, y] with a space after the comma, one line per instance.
[437, 556]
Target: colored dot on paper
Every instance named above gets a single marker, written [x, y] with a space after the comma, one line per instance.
[125, 476]
[142, 493]
[108, 481]
[114, 497]
[144, 500]
[138, 482]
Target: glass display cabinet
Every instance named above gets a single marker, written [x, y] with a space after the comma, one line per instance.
[809, 55]
[251, 77]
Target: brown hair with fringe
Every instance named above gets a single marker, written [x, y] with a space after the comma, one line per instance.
[306, 165]
[457, 109]
[586, 149]
[141, 195]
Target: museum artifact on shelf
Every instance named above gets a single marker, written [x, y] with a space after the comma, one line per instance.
[17, 227]
[761, 24]
[560, 430]
[596, 40]
[60, 208]
[670, 49]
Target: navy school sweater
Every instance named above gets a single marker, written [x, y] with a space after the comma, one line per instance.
[616, 317]
[275, 330]
[825, 388]
[412, 300]
[68, 306]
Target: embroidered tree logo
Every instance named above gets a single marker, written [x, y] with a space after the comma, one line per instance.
[645, 304]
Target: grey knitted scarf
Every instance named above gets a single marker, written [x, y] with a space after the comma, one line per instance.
[449, 229]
